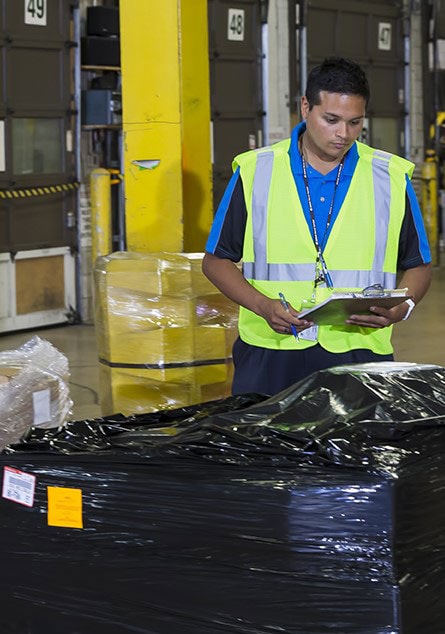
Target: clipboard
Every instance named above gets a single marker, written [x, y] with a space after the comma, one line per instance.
[335, 310]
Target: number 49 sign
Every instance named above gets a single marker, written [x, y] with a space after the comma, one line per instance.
[35, 12]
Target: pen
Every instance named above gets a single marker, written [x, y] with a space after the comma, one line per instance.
[285, 305]
[327, 275]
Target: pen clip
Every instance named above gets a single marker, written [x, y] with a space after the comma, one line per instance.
[375, 290]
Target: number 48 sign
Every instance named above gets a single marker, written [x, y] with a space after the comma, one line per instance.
[235, 25]
[35, 12]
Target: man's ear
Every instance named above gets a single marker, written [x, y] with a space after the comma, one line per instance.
[304, 106]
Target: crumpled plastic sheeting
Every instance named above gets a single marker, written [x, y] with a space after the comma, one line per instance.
[37, 392]
[371, 415]
[139, 431]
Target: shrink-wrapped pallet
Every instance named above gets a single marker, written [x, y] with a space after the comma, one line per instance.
[319, 510]
[165, 333]
[34, 389]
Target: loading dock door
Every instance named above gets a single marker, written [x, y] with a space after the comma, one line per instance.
[370, 33]
[37, 153]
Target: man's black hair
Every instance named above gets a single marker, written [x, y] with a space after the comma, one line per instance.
[337, 75]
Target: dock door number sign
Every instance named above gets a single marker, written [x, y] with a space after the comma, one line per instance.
[35, 12]
[385, 32]
[235, 25]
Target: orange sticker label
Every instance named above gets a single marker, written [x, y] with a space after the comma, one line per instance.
[65, 507]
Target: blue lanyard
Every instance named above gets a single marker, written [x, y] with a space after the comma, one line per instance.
[321, 270]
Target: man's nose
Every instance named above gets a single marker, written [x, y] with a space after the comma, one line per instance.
[342, 130]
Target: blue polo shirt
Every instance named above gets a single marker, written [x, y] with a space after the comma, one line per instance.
[321, 186]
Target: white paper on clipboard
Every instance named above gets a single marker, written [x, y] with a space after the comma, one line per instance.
[335, 310]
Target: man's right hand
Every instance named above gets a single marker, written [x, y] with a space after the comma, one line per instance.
[280, 319]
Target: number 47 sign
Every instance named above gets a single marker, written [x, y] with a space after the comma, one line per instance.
[35, 12]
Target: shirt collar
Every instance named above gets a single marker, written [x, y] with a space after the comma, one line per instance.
[351, 156]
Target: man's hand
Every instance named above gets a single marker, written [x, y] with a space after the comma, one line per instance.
[226, 276]
[380, 317]
[416, 280]
[280, 319]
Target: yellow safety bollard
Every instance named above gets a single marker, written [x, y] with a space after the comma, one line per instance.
[430, 202]
[101, 222]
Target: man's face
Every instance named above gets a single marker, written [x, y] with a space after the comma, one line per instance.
[333, 125]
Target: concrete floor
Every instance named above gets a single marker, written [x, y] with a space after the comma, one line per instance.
[419, 340]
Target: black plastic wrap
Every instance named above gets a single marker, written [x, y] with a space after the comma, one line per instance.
[318, 510]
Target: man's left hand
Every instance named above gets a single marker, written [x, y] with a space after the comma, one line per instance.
[379, 317]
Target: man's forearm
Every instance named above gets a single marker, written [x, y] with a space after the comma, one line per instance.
[417, 281]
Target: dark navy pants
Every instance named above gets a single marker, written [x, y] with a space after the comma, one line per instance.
[268, 372]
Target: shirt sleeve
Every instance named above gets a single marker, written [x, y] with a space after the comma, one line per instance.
[226, 236]
[414, 249]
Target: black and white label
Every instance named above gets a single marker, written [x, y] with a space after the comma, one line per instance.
[18, 486]
[35, 12]
[235, 24]
[385, 33]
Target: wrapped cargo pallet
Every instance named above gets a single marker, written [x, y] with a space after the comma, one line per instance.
[318, 510]
[165, 333]
[34, 389]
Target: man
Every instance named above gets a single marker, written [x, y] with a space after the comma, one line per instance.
[309, 214]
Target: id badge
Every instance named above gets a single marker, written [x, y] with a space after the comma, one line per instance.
[309, 334]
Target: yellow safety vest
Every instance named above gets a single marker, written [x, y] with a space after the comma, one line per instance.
[279, 253]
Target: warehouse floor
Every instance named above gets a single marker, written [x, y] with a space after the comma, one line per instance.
[420, 340]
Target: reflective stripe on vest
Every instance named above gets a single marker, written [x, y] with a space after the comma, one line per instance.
[305, 273]
[382, 184]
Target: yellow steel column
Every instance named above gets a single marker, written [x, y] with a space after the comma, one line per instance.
[430, 202]
[196, 158]
[101, 225]
[166, 124]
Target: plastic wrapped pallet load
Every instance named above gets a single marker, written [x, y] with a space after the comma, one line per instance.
[34, 389]
[165, 333]
[319, 510]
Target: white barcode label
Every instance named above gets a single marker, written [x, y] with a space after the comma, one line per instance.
[18, 486]
[41, 401]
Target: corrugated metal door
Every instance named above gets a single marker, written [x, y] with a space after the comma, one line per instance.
[35, 105]
[37, 153]
[235, 31]
[370, 33]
